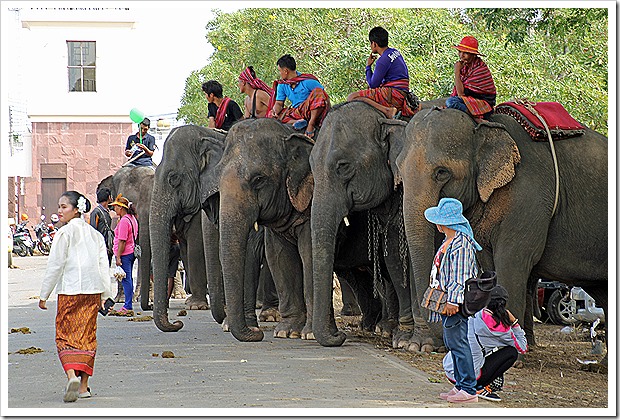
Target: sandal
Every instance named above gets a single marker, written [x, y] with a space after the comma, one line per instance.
[86, 394]
[397, 115]
[300, 124]
[71, 391]
[310, 133]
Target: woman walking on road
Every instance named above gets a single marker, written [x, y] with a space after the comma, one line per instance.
[125, 235]
[78, 268]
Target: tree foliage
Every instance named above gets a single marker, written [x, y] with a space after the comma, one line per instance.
[540, 54]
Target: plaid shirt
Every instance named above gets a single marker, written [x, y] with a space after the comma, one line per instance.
[457, 265]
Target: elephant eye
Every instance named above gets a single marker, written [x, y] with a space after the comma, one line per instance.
[442, 174]
[258, 181]
[344, 169]
[174, 180]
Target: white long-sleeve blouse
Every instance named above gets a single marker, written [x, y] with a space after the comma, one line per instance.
[77, 263]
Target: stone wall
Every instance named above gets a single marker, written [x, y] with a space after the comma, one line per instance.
[91, 151]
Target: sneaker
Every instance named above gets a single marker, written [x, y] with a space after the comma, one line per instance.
[486, 394]
[445, 395]
[497, 384]
[462, 397]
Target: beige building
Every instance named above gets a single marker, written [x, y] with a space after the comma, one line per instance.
[81, 73]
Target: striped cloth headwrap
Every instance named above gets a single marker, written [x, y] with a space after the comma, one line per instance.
[255, 82]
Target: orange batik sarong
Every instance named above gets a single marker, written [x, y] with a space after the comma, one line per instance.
[76, 331]
[318, 99]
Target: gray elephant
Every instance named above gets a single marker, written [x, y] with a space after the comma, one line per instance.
[352, 163]
[135, 183]
[506, 183]
[182, 184]
[265, 179]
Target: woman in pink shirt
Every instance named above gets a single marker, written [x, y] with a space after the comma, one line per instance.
[125, 235]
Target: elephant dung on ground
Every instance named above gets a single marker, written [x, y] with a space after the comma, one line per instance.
[506, 183]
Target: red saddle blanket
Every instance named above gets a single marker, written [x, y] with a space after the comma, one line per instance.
[560, 123]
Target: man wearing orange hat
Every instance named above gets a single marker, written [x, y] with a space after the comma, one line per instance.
[474, 90]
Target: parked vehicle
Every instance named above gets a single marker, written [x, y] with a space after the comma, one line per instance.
[564, 305]
[22, 241]
[43, 239]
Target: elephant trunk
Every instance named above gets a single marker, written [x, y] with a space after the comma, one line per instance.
[235, 224]
[421, 238]
[324, 225]
[160, 222]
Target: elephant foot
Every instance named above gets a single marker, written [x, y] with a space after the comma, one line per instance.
[401, 339]
[306, 333]
[269, 315]
[350, 310]
[288, 328]
[196, 303]
[385, 328]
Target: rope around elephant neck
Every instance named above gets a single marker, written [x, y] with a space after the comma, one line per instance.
[530, 107]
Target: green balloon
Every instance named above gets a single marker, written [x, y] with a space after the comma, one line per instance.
[136, 115]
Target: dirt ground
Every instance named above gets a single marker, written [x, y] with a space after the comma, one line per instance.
[550, 376]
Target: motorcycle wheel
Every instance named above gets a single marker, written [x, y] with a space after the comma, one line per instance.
[21, 251]
[44, 248]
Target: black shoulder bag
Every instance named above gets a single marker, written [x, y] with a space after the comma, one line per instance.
[478, 291]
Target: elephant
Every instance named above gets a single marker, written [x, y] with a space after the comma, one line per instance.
[353, 165]
[506, 183]
[182, 184]
[136, 183]
[265, 179]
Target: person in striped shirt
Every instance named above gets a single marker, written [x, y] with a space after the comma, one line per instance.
[454, 263]
[474, 90]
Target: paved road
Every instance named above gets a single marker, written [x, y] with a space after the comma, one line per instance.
[210, 370]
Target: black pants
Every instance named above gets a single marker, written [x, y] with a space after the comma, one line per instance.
[496, 364]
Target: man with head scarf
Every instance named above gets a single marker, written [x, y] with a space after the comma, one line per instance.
[258, 94]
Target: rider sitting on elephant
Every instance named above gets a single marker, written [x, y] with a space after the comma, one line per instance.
[141, 146]
[223, 111]
[309, 101]
[474, 90]
[258, 94]
[389, 84]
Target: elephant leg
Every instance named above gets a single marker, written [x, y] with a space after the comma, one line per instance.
[350, 306]
[305, 252]
[215, 280]
[389, 310]
[531, 301]
[360, 283]
[269, 310]
[196, 264]
[286, 268]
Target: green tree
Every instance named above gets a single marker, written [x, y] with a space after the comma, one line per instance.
[540, 54]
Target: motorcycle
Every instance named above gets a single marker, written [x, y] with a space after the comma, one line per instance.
[22, 241]
[51, 226]
[44, 241]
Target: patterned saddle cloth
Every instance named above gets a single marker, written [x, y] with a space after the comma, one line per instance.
[560, 123]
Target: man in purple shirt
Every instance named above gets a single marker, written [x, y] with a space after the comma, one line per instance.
[389, 84]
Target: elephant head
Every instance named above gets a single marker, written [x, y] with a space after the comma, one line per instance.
[265, 178]
[447, 155]
[190, 153]
[353, 164]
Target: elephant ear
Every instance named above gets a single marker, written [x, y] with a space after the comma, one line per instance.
[299, 182]
[210, 151]
[497, 156]
[393, 135]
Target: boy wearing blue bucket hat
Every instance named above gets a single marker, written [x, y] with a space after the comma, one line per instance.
[454, 263]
